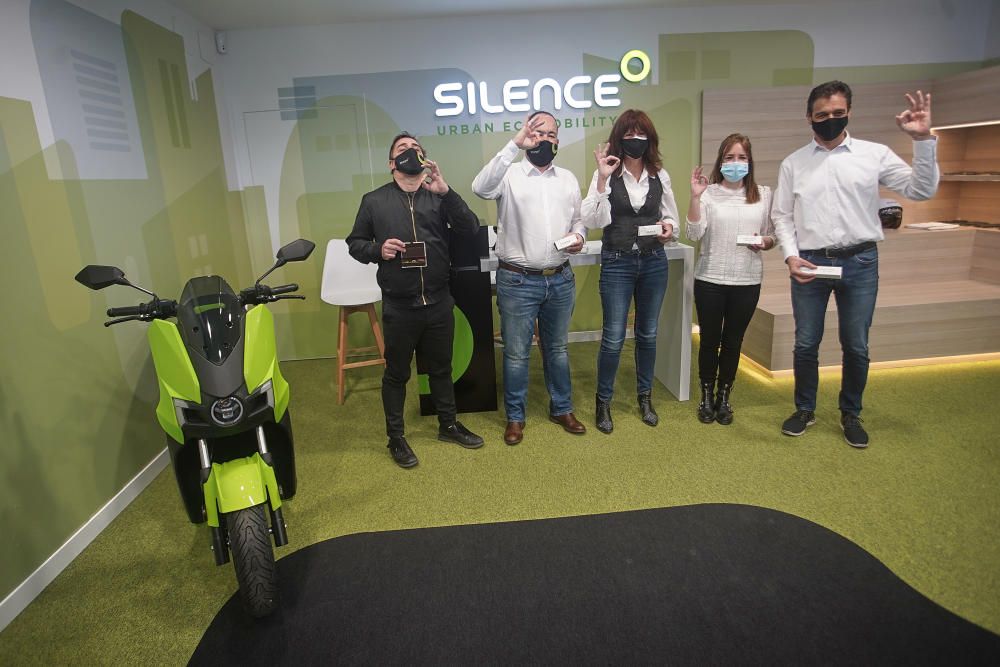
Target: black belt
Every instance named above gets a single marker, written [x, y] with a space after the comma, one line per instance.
[533, 272]
[846, 251]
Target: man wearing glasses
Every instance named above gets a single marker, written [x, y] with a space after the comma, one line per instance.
[825, 214]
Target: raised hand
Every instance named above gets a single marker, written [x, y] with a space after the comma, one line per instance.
[916, 121]
[527, 137]
[698, 182]
[434, 181]
[606, 164]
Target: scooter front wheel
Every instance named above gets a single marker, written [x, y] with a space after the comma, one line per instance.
[253, 559]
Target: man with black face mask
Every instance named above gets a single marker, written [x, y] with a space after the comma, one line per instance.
[538, 205]
[825, 214]
[403, 226]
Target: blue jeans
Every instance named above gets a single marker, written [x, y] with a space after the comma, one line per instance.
[521, 299]
[855, 293]
[625, 276]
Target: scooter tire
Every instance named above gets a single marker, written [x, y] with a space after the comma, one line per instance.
[253, 559]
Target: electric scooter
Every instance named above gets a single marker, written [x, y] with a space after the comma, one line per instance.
[224, 407]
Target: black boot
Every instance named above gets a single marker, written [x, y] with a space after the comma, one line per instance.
[723, 411]
[706, 409]
[604, 423]
[649, 415]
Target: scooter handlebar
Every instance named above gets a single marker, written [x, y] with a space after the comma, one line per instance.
[284, 289]
[125, 311]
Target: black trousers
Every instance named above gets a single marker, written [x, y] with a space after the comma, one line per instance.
[429, 332]
[724, 313]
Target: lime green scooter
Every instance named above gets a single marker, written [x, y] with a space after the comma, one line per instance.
[224, 407]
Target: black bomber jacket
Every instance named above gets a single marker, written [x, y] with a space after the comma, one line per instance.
[391, 212]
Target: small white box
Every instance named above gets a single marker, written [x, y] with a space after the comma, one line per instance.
[566, 242]
[650, 230]
[824, 271]
[749, 239]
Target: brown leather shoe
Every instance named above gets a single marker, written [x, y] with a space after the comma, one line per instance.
[514, 433]
[569, 423]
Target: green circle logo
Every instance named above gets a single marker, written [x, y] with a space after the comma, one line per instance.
[628, 58]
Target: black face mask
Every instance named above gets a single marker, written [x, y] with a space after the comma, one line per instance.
[635, 147]
[542, 154]
[409, 162]
[830, 129]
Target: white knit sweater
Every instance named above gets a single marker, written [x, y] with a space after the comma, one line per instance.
[724, 215]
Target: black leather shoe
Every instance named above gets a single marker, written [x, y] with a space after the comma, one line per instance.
[649, 416]
[604, 423]
[460, 435]
[723, 411]
[706, 409]
[401, 452]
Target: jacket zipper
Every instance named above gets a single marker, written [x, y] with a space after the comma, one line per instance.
[413, 222]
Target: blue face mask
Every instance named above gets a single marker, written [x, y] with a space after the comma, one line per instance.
[734, 171]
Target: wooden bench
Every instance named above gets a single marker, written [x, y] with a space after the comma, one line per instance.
[939, 296]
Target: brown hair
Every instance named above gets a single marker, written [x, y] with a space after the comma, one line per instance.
[638, 121]
[753, 192]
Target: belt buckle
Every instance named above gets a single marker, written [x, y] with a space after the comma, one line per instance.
[830, 253]
[550, 272]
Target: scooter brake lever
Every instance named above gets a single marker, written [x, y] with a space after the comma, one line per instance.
[123, 319]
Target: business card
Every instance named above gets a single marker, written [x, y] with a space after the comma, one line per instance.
[749, 239]
[650, 230]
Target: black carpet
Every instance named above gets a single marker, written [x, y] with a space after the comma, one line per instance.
[706, 584]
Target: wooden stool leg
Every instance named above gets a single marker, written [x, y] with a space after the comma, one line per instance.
[341, 354]
[377, 330]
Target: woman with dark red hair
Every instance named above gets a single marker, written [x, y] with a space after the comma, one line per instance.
[726, 205]
[631, 200]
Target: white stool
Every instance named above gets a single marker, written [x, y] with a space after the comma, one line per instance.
[351, 285]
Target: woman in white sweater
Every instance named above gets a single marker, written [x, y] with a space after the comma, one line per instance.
[725, 205]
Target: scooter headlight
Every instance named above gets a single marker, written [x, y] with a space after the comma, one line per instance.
[227, 411]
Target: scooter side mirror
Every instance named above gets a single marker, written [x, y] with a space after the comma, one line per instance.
[296, 251]
[97, 277]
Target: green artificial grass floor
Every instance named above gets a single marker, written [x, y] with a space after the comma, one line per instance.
[923, 498]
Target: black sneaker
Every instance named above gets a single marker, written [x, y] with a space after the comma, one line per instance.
[401, 452]
[854, 434]
[459, 434]
[797, 423]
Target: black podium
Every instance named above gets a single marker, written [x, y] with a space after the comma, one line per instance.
[473, 365]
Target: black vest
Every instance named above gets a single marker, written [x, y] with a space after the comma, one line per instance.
[623, 231]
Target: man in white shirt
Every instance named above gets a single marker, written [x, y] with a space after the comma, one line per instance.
[825, 213]
[538, 204]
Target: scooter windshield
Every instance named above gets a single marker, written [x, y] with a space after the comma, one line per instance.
[209, 314]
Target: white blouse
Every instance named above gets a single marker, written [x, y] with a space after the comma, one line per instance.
[725, 214]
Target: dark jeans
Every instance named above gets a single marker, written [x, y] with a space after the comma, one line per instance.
[626, 276]
[522, 299]
[724, 313]
[430, 332]
[855, 293]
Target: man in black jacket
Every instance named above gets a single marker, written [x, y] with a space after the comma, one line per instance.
[403, 226]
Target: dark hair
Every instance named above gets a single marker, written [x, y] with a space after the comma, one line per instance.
[637, 121]
[828, 89]
[404, 135]
[753, 192]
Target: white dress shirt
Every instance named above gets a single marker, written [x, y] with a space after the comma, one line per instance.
[534, 208]
[725, 214]
[596, 210]
[830, 199]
